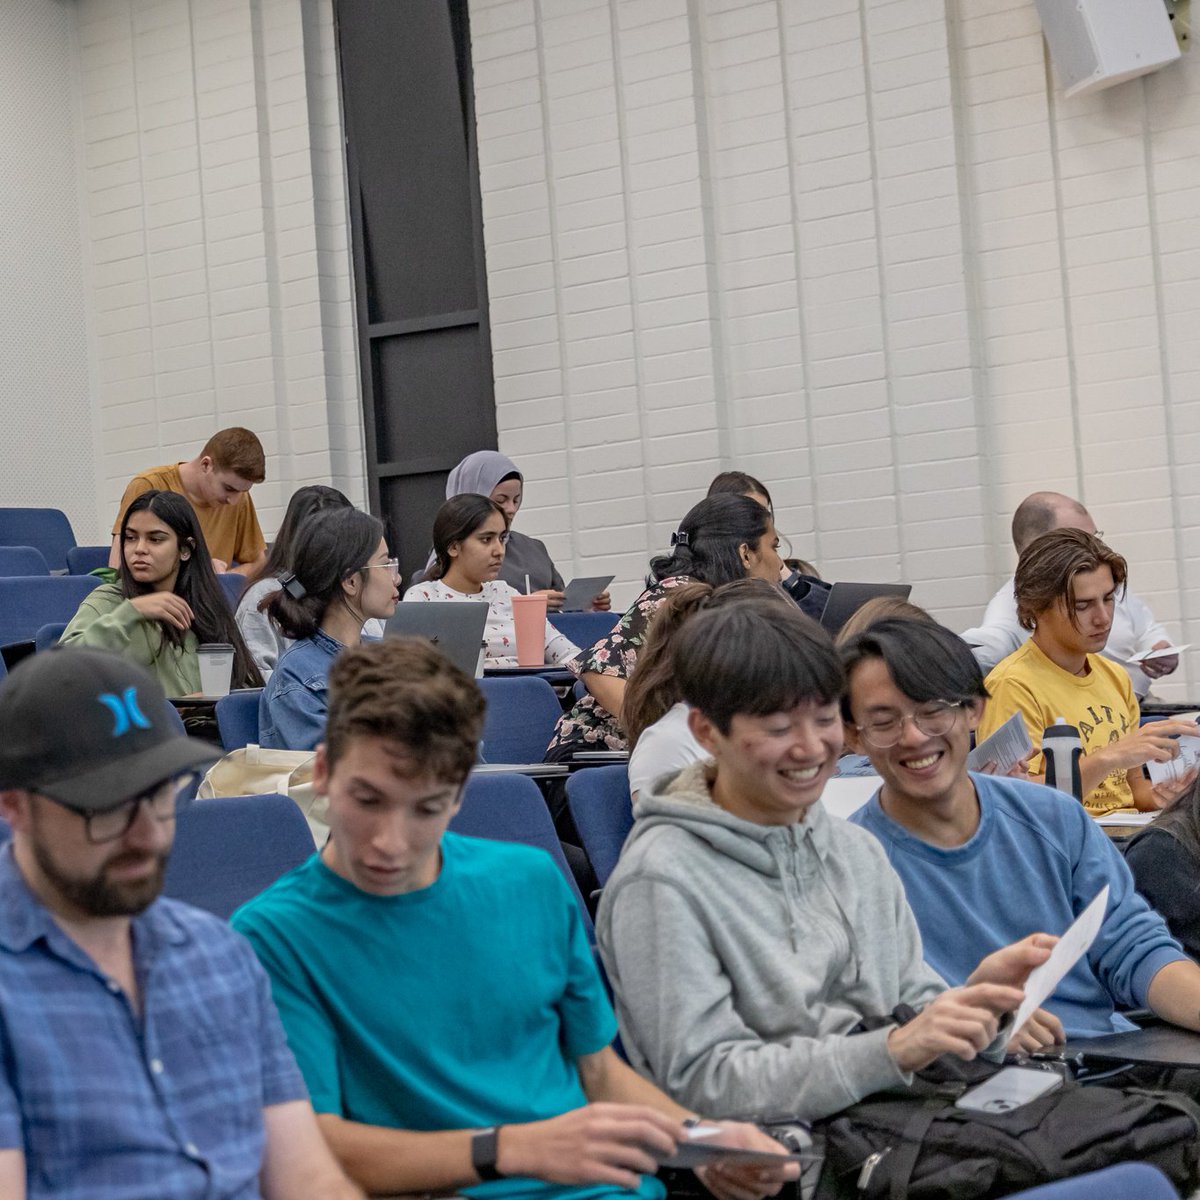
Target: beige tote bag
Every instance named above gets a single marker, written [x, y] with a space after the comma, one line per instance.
[254, 770]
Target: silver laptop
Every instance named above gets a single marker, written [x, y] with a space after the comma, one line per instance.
[456, 629]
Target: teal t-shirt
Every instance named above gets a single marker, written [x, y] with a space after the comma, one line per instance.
[462, 1005]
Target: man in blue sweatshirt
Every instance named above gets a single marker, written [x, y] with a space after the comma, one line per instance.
[985, 859]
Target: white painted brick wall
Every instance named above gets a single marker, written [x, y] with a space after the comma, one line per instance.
[216, 239]
[47, 448]
[858, 248]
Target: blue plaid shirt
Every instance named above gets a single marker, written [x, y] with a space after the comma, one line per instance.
[110, 1106]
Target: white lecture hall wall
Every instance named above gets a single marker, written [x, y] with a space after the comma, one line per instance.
[863, 249]
[215, 243]
[48, 453]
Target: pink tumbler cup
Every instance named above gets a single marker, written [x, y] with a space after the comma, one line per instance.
[529, 621]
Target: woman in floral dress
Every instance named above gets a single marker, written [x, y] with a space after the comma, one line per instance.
[722, 538]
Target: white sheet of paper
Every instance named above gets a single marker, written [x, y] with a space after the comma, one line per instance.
[1069, 949]
[1161, 652]
[1176, 768]
[1008, 745]
[1124, 819]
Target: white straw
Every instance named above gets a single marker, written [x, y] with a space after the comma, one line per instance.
[527, 588]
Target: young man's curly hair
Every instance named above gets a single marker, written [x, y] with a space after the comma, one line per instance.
[403, 691]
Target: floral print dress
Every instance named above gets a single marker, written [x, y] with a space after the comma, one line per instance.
[590, 726]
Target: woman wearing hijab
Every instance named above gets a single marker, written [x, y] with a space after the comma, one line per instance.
[492, 474]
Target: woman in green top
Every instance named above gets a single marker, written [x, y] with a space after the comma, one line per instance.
[166, 601]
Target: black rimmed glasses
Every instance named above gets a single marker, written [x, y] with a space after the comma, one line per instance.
[933, 719]
[164, 800]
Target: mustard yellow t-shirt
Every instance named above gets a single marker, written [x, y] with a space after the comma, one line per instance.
[1100, 703]
[231, 531]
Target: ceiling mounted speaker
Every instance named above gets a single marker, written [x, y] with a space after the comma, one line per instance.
[1098, 43]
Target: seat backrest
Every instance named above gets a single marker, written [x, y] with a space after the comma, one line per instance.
[46, 529]
[584, 628]
[82, 559]
[510, 808]
[22, 560]
[233, 584]
[1124, 1181]
[603, 814]
[237, 718]
[229, 849]
[175, 720]
[26, 604]
[48, 635]
[522, 712]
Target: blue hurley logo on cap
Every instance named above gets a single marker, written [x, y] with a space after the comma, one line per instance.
[125, 711]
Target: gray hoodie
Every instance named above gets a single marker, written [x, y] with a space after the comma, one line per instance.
[741, 956]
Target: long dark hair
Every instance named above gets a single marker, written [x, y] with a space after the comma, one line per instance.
[304, 502]
[652, 688]
[457, 519]
[195, 582]
[738, 483]
[705, 546]
[332, 545]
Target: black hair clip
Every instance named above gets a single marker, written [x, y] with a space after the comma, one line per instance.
[293, 586]
[679, 538]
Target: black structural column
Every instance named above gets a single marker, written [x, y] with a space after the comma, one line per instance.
[419, 273]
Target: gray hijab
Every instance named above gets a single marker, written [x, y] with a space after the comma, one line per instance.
[480, 473]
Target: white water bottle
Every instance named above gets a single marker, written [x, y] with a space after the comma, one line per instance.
[1063, 748]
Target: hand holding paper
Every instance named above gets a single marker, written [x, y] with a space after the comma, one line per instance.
[1005, 748]
[1068, 950]
[1160, 652]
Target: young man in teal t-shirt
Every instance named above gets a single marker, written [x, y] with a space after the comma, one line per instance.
[438, 991]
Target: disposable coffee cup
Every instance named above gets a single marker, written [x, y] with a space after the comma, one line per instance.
[529, 621]
[216, 668]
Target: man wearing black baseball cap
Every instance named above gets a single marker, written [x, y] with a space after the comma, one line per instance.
[142, 1052]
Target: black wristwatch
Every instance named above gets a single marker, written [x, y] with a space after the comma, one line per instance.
[484, 1148]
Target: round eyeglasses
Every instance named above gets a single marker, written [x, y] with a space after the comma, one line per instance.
[933, 719]
[164, 800]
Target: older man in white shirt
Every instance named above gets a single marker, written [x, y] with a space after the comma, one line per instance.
[1134, 629]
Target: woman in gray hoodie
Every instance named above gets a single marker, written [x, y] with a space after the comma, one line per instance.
[746, 933]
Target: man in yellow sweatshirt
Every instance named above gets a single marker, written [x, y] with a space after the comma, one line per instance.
[1066, 586]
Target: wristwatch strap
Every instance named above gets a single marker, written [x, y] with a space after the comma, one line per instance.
[484, 1147]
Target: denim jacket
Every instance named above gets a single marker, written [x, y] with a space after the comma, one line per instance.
[291, 711]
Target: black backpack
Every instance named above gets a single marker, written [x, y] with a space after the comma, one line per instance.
[916, 1143]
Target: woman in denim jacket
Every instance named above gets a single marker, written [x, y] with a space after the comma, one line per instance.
[341, 577]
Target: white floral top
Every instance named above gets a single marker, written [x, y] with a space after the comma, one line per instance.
[499, 637]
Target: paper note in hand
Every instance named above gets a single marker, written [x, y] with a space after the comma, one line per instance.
[1161, 652]
[1176, 768]
[1068, 950]
[1007, 746]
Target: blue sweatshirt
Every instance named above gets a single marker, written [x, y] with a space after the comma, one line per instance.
[1035, 862]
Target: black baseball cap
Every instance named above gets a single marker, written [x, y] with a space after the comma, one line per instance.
[89, 728]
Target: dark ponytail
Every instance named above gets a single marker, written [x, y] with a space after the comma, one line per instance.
[706, 545]
[330, 546]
